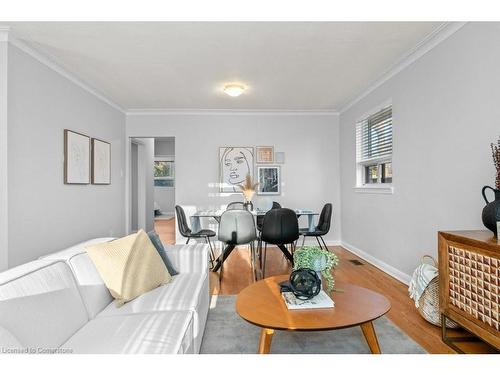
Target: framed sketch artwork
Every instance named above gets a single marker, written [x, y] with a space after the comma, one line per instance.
[101, 162]
[269, 180]
[265, 154]
[76, 158]
[234, 165]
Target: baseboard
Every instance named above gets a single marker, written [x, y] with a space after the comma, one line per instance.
[312, 241]
[388, 269]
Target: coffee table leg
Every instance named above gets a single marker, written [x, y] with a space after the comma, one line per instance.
[266, 336]
[371, 337]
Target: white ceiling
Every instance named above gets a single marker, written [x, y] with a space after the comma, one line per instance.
[183, 65]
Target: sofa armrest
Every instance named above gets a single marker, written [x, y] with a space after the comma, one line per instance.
[188, 258]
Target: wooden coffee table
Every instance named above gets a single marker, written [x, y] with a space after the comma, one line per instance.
[262, 305]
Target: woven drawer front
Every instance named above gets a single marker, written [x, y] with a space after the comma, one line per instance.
[475, 285]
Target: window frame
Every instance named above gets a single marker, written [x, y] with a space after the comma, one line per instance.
[362, 186]
[172, 178]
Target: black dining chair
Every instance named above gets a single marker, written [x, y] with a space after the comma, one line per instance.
[235, 206]
[260, 218]
[281, 228]
[187, 233]
[236, 227]
[322, 228]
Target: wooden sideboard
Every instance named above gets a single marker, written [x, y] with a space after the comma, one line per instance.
[469, 284]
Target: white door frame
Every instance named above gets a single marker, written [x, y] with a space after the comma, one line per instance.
[141, 188]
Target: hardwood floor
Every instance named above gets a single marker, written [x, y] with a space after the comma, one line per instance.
[237, 275]
[166, 230]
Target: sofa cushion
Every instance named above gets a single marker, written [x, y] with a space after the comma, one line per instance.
[192, 258]
[94, 292]
[161, 333]
[187, 291]
[155, 239]
[180, 294]
[40, 305]
[129, 266]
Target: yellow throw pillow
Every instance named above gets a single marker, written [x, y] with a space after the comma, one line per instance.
[130, 266]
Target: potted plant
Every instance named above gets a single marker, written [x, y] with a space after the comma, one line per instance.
[248, 190]
[320, 260]
[491, 212]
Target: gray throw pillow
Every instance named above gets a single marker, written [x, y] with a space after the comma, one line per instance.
[155, 239]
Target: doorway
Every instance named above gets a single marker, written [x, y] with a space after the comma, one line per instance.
[152, 186]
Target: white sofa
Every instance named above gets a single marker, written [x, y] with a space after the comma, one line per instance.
[59, 303]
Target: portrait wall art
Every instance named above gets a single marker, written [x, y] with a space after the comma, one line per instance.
[76, 158]
[234, 165]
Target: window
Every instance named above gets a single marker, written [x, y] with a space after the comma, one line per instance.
[374, 149]
[164, 173]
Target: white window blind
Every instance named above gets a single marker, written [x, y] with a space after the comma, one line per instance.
[374, 137]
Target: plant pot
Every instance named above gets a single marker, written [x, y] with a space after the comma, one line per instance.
[319, 265]
[491, 212]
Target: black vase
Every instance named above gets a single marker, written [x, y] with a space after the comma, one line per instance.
[491, 212]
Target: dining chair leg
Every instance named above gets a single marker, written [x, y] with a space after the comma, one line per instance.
[303, 240]
[259, 252]
[322, 240]
[188, 240]
[264, 255]
[319, 243]
[286, 253]
[225, 253]
[212, 254]
[261, 260]
[254, 261]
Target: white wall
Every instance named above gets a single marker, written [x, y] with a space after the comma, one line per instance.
[445, 115]
[310, 142]
[44, 214]
[164, 196]
[144, 182]
[4, 219]
[165, 146]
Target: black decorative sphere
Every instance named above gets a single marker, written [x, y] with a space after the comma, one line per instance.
[305, 283]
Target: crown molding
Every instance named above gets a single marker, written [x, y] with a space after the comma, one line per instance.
[204, 112]
[49, 62]
[4, 33]
[432, 40]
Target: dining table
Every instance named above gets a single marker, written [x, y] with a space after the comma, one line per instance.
[256, 257]
[216, 214]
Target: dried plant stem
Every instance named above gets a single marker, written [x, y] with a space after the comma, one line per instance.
[495, 150]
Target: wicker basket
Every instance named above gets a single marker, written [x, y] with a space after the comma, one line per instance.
[429, 301]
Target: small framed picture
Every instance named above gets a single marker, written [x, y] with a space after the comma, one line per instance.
[265, 154]
[101, 162]
[269, 180]
[76, 158]
[279, 157]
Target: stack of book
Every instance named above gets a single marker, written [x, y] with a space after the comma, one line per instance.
[320, 301]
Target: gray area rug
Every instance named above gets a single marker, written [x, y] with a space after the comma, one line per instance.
[227, 333]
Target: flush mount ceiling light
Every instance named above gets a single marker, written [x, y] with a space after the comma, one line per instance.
[234, 89]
